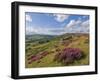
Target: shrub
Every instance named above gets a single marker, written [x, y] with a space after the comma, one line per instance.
[68, 55]
[31, 57]
[37, 57]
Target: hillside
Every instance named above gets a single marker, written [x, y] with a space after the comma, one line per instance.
[38, 37]
[42, 49]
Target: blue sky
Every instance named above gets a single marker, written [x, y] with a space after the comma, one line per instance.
[56, 24]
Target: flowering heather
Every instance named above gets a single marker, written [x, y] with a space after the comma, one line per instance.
[68, 55]
[37, 57]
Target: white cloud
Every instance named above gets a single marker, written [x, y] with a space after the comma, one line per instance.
[73, 23]
[74, 26]
[36, 30]
[46, 31]
[30, 30]
[85, 24]
[77, 26]
[60, 17]
[28, 18]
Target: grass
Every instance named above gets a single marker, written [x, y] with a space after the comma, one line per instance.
[52, 45]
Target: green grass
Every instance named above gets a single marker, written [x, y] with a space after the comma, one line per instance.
[52, 45]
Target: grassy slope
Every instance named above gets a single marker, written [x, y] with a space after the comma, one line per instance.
[47, 61]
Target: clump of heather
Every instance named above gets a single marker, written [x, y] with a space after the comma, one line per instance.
[68, 55]
[36, 57]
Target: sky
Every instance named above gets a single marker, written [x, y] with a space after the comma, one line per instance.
[56, 24]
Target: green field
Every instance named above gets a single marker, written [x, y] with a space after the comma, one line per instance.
[45, 47]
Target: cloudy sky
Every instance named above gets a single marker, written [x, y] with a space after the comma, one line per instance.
[55, 24]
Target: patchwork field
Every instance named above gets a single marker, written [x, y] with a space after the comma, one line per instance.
[52, 51]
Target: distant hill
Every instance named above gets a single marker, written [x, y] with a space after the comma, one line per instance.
[38, 37]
